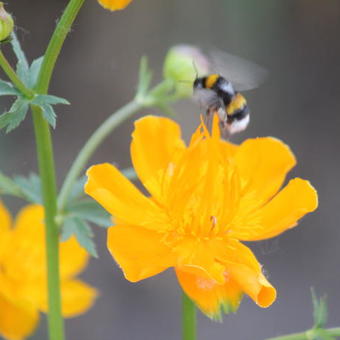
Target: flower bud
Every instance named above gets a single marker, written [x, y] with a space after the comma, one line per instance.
[6, 23]
[183, 64]
[114, 5]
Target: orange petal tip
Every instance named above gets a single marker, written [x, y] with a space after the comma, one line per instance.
[114, 5]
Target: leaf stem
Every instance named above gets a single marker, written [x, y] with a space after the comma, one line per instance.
[188, 319]
[28, 93]
[308, 335]
[91, 145]
[47, 171]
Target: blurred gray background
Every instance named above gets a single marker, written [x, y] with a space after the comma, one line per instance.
[298, 42]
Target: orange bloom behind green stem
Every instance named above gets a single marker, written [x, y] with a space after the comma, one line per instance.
[114, 5]
[204, 200]
[23, 291]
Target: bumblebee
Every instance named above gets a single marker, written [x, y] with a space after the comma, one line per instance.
[219, 94]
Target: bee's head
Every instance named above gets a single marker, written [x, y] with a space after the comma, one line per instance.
[198, 83]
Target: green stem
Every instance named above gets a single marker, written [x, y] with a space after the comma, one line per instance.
[49, 193]
[47, 171]
[188, 318]
[308, 335]
[91, 145]
[56, 43]
[28, 93]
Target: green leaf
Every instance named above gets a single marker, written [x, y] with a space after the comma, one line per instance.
[22, 65]
[9, 187]
[7, 89]
[34, 71]
[320, 312]
[91, 211]
[15, 116]
[76, 226]
[49, 115]
[31, 187]
[43, 99]
[130, 173]
[77, 189]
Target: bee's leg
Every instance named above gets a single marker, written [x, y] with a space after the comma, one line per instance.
[208, 118]
[225, 132]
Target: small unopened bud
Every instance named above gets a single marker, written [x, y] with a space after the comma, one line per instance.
[183, 64]
[6, 23]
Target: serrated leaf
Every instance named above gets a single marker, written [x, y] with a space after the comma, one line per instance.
[22, 65]
[82, 231]
[15, 116]
[31, 187]
[91, 211]
[34, 71]
[9, 187]
[49, 115]
[43, 99]
[7, 89]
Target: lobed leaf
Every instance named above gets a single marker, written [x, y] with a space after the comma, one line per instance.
[7, 89]
[74, 225]
[30, 187]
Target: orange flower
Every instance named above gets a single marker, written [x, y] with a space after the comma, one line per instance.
[205, 199]
[114, 5]
[23, 291]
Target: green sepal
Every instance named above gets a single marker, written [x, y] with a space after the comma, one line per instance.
[7, 89]
[90, 211]
[15, 116]
[74, 225]
[30, 187]
[320, 313]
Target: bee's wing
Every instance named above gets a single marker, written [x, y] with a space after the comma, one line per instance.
[243, 74]
[207, 98]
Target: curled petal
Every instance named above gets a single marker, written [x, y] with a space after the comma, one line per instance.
[114, 5]
[211, 297]
[155, 146]
[119, 196]
[140, 252]
[243, 268]
[16, 322]
[283, 212]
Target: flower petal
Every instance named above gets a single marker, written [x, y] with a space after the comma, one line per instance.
[16, 322]
[243, 268]
[120, 197]
[73, 258]
[114, 5]
[263, 164]
[77, 298]
[212, 298]
[156, 144]
[283, 212]
[5, 227]
[140, 253]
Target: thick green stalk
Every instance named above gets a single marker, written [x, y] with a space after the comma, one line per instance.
[91, 145]
[188, 318]
[28, 93]
[49, 193]
[47, 171]
[309, 335]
